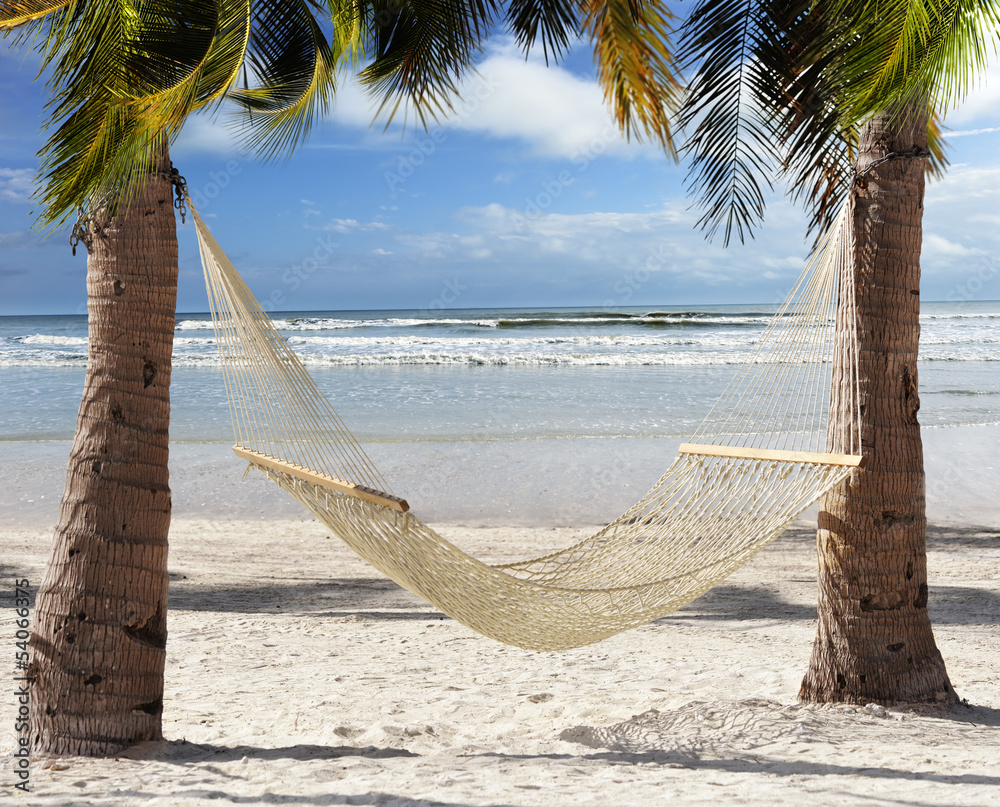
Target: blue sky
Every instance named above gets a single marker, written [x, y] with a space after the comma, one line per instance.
[526, 196]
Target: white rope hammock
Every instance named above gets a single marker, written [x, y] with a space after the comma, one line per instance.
[763, 454]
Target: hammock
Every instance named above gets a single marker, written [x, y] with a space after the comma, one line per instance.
[765, 452]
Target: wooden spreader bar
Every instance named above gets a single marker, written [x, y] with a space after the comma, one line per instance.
[773, 454]
[323, 480]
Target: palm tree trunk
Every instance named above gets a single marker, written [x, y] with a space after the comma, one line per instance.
[98, 647]
[874, 641]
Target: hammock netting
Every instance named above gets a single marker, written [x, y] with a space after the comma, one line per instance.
[763, 454]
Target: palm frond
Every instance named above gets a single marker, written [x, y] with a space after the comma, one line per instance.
[819, 166]
[97, 155]
[809, 51]
[347, 42]
[421, 49]
[798, 88]
[295, 67]
[554, 21]
[121, 50]
[633, 49]
[913, 48]
[937, 145]
[958, 52]
[15, 13]
[125, 78]
[791, 81]
[728, 139]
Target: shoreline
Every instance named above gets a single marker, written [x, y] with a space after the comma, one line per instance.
[562, 482]
[297, 674]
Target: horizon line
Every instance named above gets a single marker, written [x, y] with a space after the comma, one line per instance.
[651, 306]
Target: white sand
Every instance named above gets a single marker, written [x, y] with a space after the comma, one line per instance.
[295, 675]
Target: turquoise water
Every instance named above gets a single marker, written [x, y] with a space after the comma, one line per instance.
[476, 375]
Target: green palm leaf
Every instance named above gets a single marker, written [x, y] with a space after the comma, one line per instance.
[797, 52]
[295, 67]
[780, 87]
[815, 82]
[916, 48]
[127, 78]
[420, 49]
[108, 61]
[633, 49]
[15, 13]
[347, 41]
[729, 141]
[553, 21]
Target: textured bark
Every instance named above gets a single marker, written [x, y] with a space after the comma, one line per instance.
[874, 641]
[98, 647]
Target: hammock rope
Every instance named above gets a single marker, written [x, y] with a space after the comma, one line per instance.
[765, 452]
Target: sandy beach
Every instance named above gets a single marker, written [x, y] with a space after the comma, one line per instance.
[296, 675]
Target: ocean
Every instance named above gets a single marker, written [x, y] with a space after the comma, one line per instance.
[488, 417]
[491, 374]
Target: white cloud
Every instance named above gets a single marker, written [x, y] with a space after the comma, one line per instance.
[786, 264]
[605, 248]
[351, 226]
[501, 255]
[960, 227]
[533, 221]
[982, 104]
[210, 133]
[970, 132]
[25, 240]
[992, 219]
[935, 245]
[16, 184]
[963, 183]
[557, 113]
[553, 111]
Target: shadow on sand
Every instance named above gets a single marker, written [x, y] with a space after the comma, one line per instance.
[653, 738]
